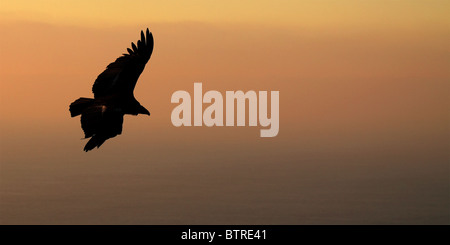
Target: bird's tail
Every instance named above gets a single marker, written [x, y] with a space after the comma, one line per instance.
[95, 141]
[77, 107]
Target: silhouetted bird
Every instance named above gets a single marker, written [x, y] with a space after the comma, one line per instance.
[102, 117]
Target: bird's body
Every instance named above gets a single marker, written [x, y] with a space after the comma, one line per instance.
[102, 116]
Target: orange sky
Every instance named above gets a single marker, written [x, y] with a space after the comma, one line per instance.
[364, 113]
[340, 67]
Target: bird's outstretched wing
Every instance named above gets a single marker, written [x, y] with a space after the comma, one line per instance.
[121, 75]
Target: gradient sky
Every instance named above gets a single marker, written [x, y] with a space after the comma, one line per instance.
[364, 95]
[324, 13]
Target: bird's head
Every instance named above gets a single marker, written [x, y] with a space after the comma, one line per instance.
[142, 110]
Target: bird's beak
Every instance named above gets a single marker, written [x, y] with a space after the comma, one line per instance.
[142, 110]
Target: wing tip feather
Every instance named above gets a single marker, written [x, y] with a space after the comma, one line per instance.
[134, 47]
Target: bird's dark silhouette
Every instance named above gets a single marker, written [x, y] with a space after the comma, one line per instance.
[102, 116]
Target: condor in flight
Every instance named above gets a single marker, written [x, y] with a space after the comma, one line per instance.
[102, 117]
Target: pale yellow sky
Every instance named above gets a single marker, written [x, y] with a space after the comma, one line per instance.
[322, 13]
